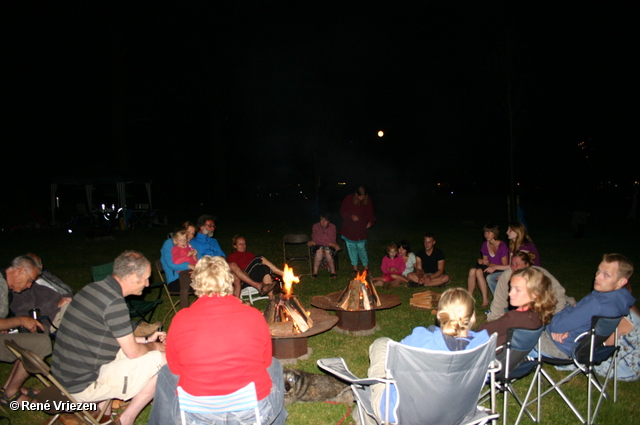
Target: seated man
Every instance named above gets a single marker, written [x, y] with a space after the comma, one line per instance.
[429, 269]
[96, 356]
[20, 276]
[206, 244]
[49, 294]
[605, 300]
[500, 303]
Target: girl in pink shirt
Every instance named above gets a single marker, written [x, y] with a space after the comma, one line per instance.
[392, 267]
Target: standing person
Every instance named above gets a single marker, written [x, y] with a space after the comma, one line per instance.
[18, 277]
[494, 252]
[607, 299]
[429, 265]
[323, 245]
[392, 268]
[220, 359]
[96, 356]
[357, 218]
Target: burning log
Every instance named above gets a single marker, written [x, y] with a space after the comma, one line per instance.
[359, 295]
[287, 310]
[290, 311]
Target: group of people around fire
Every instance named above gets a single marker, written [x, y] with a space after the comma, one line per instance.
[100, 355]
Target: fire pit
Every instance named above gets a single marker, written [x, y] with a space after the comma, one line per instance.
[356, 306]
[290, 324]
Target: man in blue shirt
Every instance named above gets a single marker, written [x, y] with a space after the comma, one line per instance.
[206, 244]
[607, 299]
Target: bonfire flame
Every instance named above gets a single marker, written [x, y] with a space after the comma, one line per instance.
[289, 279]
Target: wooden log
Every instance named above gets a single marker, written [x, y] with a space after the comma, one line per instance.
[295, 302]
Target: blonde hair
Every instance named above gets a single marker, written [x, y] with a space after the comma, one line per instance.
[543, 298]
[456, 312]
[360, 191]
[212, 276]
[177, 234]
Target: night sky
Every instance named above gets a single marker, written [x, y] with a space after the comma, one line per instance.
[258, 96]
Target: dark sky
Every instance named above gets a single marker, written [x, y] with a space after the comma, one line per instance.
[271, 93]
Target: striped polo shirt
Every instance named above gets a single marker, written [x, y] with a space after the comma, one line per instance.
[87, 335]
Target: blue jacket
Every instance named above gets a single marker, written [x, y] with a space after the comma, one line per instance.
[171, 269]
[577, 319]
[206, 246]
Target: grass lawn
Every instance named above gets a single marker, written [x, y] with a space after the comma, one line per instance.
[457, 224]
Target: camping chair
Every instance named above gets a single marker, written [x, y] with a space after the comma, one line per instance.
[252, 294]
[137, 305]
[297, 253]
[169, 293]
[516, 365]
[588, 351]
[54, 390]
[243, 399]
[433, 387]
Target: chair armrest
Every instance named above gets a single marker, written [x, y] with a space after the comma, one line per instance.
[337, 366]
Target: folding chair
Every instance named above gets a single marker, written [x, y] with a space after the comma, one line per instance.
[516, 365]
[54, 390]
[252, 294]
[239, 401]
[296, 252]
[433, 387]
[588, 351]
[170, 294]
[138, 306]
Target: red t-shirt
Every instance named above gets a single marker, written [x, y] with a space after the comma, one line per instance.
[242, 259]
[218, 345]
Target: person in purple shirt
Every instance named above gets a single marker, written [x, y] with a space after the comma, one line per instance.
[494, 252]
[519, 240]
[606, 300]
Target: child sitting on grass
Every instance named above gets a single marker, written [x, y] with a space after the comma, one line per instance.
[392, 267]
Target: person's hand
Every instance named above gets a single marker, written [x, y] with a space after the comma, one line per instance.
[311, 243]
[158, 346]
[193, 253]
[559, 337]
[191, 267]
[30, 324]
[354, 217]
[158, 336]
[369, 224]
[490, 269]
[63, 301]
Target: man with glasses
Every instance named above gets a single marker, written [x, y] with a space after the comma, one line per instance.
[206, 244]
[18, 277]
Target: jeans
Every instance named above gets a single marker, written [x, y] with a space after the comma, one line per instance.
[166, 408]
[492, 280]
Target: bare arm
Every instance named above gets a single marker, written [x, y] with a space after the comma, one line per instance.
[136, 347]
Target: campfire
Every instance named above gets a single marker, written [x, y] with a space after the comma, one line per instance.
[285, 314]
[359, 295]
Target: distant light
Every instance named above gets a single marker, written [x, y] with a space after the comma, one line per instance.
[452, 192]
[380, 133]
[69, 231]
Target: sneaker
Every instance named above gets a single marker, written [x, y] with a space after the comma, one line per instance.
[146, 329]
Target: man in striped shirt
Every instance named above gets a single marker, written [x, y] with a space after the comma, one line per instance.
[96, 356]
